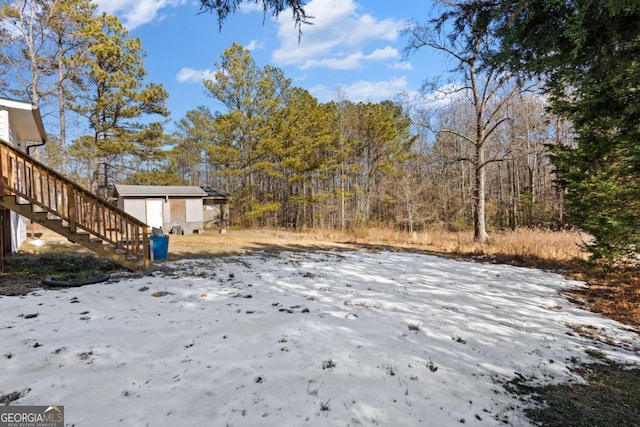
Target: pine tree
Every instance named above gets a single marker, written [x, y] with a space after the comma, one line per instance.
[113, 96]
[252, 97]
[192, 140]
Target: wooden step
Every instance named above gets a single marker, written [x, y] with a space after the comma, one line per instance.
[39, 217]
[81, 238]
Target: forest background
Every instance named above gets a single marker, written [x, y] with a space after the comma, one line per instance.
[478, 155]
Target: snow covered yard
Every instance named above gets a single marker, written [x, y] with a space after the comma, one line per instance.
[295, 339]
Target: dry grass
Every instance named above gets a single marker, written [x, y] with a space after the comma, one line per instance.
[615, 294]
[523, 244]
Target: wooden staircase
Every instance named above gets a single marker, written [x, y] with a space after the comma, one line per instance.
[41, 194]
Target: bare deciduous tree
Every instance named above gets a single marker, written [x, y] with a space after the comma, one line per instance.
[463, 34]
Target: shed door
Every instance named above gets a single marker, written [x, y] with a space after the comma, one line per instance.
[154, 212]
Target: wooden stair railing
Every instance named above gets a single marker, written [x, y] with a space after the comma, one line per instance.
[32, 189]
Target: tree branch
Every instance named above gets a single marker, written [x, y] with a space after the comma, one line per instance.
[456, 133]
[222, 8]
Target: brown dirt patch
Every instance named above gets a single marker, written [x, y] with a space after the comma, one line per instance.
[615, 294]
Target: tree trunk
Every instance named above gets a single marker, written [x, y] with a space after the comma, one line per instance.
[479, 229]
[61, 106]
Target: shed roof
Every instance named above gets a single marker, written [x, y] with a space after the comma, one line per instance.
[214, 192]
[159, 191]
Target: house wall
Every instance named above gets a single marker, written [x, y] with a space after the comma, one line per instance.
[18, 231]
[18, 222]
[13, 138]
[186, 213]
[146, 210]
[4, 125]
[6, 131]
[183, 212]
[166, 213]
[155, 212]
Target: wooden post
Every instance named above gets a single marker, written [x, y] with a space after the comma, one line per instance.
[2, 254]
[2, 211]
[71, 200]
[147, 253]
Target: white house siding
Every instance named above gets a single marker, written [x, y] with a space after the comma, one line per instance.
[4, 125]
[18, 231]
[18, 223]
[20, 123]
[6, 132]
[13, 139]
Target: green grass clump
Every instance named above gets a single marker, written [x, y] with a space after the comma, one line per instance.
[611, 398]
[57, 265]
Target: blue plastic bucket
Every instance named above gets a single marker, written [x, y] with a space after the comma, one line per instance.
[160, 246]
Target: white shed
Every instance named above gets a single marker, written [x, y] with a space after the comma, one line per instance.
[174, 208]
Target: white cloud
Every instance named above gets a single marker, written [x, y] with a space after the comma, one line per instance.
[352, 61]
[134, 13]
[362, 91]
[337, 39]
[249, 6]
[439, 98]
[401, 66]
[255, 45]
[385, 53]
[189, 75]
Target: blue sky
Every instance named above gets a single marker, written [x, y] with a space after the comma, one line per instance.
[354, 50]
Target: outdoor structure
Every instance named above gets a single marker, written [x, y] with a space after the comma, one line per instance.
[177, 209]
[216, 208]
[22, 127]
[30, 189]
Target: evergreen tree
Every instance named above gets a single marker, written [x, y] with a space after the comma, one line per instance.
[65, 21]
[252, 97]
[192, 140]
[114, 97]
[301, 145]
[379, 138]
[588, 52]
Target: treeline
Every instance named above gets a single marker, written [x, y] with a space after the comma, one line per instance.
[286, 159]
[290, 161]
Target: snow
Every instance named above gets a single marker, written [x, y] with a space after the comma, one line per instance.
[301, 339]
